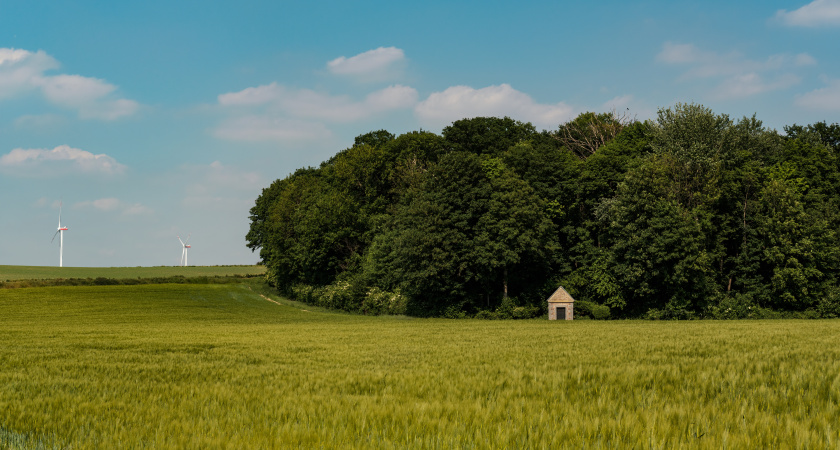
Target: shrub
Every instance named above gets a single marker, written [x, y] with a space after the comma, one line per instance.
[486, 315]
[378, 301]
[601, 312]
[505, 309]
[526, 312]
[454, 312]
[591, 310]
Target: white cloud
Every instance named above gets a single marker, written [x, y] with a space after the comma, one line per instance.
[73, 90]
[274, 112]
[825, 99]
[378, 64]
[306, 103]
[458, 102]
[22, 71]
[252, 96]
[62, 158]
[815, 14]
[804, 59]
[735, 75]
[393, 97]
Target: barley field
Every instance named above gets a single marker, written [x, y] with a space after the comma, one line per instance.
[12, 273]
[219, 366]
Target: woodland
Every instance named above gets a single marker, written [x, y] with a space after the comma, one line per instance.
[690, 215]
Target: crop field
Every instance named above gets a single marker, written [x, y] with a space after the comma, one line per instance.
[219, 366]
[11, 273]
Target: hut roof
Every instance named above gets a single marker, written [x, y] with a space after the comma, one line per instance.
[560, 296]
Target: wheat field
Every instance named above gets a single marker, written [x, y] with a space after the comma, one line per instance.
[219, 366]
[12, 273]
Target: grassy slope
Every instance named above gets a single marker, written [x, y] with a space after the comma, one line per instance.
[9, 273]
[208, 366]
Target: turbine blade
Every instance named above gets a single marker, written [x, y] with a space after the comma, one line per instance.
[56, 234]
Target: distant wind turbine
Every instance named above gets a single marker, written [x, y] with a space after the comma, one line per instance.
[60, 233]
[185, 248]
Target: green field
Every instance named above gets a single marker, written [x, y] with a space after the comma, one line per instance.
[11, 273]
[218, 366]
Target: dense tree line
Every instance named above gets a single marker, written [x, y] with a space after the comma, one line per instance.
[691, 215]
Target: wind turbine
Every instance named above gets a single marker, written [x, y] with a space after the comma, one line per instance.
[60, 233]
[185, 248]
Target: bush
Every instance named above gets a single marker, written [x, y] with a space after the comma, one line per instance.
[454, 312]
[829, 306]
[378, 302]
[486, 315]
[505, 309]
[343, 295]
[591, 310]
[509, 310]
[526, 312]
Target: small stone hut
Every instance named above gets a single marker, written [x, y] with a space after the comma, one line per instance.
[561, 305]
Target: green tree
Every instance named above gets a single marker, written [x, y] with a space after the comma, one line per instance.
[487, 135]
[589, 131]
[451, 243]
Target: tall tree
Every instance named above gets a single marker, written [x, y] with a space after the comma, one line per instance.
[466, 233]
[589, 131]
[487, 135]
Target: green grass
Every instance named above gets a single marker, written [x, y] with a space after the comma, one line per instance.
[11, 273]
[217, 366]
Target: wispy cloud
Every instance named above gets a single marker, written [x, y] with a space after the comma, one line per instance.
[373, 65]
[23, 72]
[63, 159]
[735, 75]
[825, 99]
[275, 112]
[306, 103]
[818, 13]
[458, 102]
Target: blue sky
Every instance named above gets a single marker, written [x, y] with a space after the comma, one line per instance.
[158, 118]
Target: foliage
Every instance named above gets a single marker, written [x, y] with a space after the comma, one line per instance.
[471, 232]
[691, 215]
[342, 295]
[589, 131]
[585, 309]
[487, 135]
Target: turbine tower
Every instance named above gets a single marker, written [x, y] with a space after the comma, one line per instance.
[60, 233]
[185, 247]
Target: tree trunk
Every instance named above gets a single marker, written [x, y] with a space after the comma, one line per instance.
[505, 280]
